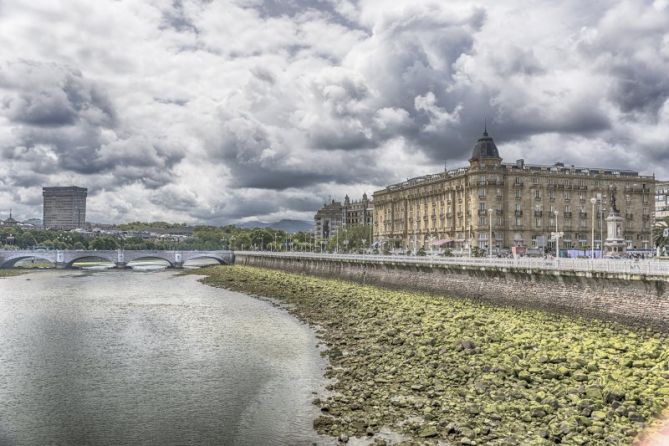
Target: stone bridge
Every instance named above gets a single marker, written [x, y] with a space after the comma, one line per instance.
[65, 258]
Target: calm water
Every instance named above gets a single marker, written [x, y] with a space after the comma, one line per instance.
[115, 358]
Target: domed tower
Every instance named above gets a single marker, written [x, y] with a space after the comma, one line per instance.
[484, 152]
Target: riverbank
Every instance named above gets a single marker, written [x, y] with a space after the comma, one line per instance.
[460, 372]
[12, 272]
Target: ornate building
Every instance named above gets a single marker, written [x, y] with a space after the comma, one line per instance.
[335, 215]
[507, 205]
[662, 200]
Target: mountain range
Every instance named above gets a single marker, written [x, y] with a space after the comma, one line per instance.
[290, 226]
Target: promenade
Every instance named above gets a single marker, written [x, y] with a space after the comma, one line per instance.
[652, 267]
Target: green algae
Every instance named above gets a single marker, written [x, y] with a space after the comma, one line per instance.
[453, 370]
[11, 272]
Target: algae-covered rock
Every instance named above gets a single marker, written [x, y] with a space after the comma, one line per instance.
[441, 369]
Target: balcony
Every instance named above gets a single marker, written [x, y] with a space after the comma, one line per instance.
[583, 215]
[567, 215]
[518, 184]
[518, 213]
[538, 213]
[483, 212]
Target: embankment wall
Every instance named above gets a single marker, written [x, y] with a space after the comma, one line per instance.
[638, 300]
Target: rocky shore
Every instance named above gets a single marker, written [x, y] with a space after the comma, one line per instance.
[451, 371]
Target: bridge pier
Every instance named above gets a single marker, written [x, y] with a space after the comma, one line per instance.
[120, 265]
[61, 265]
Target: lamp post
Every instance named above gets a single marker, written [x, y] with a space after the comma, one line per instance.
[557, 236]
[490, 211]
[415, 235]
[601, 220]
[593, 201]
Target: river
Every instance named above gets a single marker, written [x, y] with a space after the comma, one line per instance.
[120, 358]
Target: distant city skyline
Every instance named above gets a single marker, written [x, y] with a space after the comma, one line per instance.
[228, 111]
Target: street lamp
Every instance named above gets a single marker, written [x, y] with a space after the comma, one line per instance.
[557, 236]
[415, 235]
[490, 211]
[593, 201]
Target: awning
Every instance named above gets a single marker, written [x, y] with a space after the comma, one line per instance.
[441, 242]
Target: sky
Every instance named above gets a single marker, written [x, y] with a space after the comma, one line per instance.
[224, 111]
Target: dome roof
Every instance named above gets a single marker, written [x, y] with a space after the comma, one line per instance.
[484, 148]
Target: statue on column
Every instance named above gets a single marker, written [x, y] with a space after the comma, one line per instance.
[614, 209]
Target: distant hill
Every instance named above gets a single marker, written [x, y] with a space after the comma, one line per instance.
[290, 226]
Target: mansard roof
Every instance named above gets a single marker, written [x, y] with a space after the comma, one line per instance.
[484, 148]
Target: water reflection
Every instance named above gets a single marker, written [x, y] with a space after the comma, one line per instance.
[120, 358]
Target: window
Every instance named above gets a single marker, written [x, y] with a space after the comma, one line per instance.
[518, 207]
[567, 209]
[537, 222]
[518, 194]
[519, 221]
[535, 241]
[483, 221]
[551, 194]
[537, 194]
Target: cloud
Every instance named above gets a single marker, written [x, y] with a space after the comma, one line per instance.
[223, 111]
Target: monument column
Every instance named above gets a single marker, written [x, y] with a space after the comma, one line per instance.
[614, 246]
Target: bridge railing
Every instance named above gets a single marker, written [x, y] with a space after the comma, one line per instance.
[627, 266]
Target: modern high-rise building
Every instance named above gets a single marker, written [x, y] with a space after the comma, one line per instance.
[64, 207]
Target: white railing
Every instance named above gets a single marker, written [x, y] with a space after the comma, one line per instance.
[647, 267]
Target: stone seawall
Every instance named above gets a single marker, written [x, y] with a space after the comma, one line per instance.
[638, 300]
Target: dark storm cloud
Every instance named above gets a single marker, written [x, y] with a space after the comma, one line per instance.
[640, 89]
[291, 8]
[175, 17]
[52, 96]
[53, 106]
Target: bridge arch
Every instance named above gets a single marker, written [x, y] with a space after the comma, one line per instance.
[11, 262]
[92, 256]
[151, 257]
[220, 260]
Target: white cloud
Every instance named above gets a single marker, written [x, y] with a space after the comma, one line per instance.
[221, 111]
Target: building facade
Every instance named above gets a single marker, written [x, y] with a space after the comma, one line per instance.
[64, 207]
[662, 200]
[491, 204]
[333, 216]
